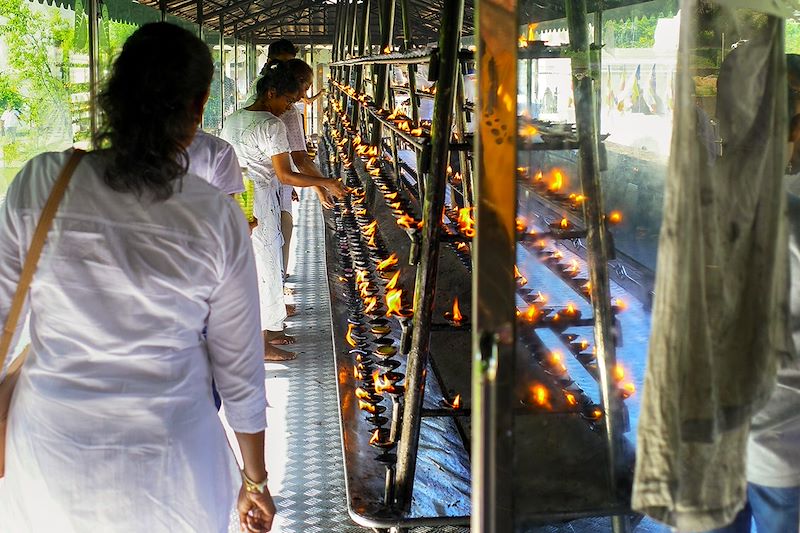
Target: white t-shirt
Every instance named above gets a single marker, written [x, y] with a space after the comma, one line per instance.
[214, 160]
[773, 450]
[256, 136]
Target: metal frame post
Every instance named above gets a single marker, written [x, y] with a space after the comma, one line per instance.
[362, 43]
[405, 14]
[494, 256]
[427, 271]
[597, 237]
[94, 48]
[221, 71]
[381, 71]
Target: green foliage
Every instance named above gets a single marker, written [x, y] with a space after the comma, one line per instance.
[9, 95]
[635, 32]
[792, 36]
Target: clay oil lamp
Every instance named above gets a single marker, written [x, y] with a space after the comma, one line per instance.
[454, 404]
[466, 223]
[619, 306]
[591, 411]
[519, 278]
[455, 318]
[366, 396]
[626, 388]
[562, 225]
[380, 439]
[384, 341]
[539, 396]
[570, 313]
[572, 269]
[554, 364]
[388, 364]
[385, 351]
[417, 132]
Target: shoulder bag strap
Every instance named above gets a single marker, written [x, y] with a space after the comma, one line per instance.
[35, 250]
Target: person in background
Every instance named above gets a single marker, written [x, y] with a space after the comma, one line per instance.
[112, 426]
[773, 449]
[214, 160]
[259, 138]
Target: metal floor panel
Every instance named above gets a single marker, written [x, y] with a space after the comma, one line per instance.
[303, 445]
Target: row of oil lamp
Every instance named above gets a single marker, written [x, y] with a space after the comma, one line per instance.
[400, 121]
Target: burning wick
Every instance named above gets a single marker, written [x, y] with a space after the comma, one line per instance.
[466, 224]
[571, 400]
[620, 305]
[455, 404]
[541, 396]
[455, 318]
[520, 279]
[387, 263]
[615, 217]
[368, 407]
[349, 337]
[394, 303]
[393, 282]
[564, 224]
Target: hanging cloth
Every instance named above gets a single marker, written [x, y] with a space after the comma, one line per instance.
[721, 294]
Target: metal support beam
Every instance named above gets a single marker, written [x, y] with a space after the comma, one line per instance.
[427, 271]
[597, 238]
[382, 71]
[162, 7]
[94, 48]
[405, 15]
[494, 256]
[363, 23]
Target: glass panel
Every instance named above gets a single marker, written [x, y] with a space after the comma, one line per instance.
[229, 76]
[212, 117]
[119, 19]
[44, 79]
[242, 77]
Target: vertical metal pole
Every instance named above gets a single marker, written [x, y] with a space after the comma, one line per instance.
[405, 13]
[221, 70]
[589, 167]
[597, 63]
[425, 286]
[94, 50]
[162, 6]
[235, 69]
[494, 256]
[387, 28]
[461, 128]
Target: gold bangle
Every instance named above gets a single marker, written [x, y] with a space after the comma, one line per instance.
[253, 487]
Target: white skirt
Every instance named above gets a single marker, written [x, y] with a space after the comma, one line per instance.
[268, 250]
[75, 467]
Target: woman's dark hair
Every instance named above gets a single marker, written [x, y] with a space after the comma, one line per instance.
[281, 46]
[301, 70]
[277, 77]
[150, 105]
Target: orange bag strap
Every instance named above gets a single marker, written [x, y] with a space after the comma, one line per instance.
[35, 250]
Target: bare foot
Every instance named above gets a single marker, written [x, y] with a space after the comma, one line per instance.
[279, 338]
[273, 353]
[291, 309]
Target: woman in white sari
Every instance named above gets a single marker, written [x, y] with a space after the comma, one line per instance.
[112, 425]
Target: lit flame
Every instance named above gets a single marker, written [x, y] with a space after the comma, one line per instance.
[539, 176]
[375, 172]
[403, 126]
[541, 298]
[361, 394]
[357, 373]
[368, 407]
[615, 217]
[570, 310]
[396, 113]
[532, 314]
[584, 344]
[371, 162]
[371, 241]
[618, 372]
[457, 177]
[457, 316]
[587, 287]
[369, 229]
[573, 267]
[387, 49]
[388, 262]
[349, 337]
[620, 304]
[564, 223]
[391, 195]
[356, 140]
[628, 389]
[465, 222]
[528, 131]
[541, 396]
[558, 181]
[361, 276]
[522, 42]
[372, 303]
[364, 290]
[382, 383]
[532, 31]
[457, 402]
[393, 282]
[416, 132]
[394, 302]
[571, 400]
[521, 225]
[376, 436]
[407, 222]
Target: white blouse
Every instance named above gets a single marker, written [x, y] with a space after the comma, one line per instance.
[113, 412]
